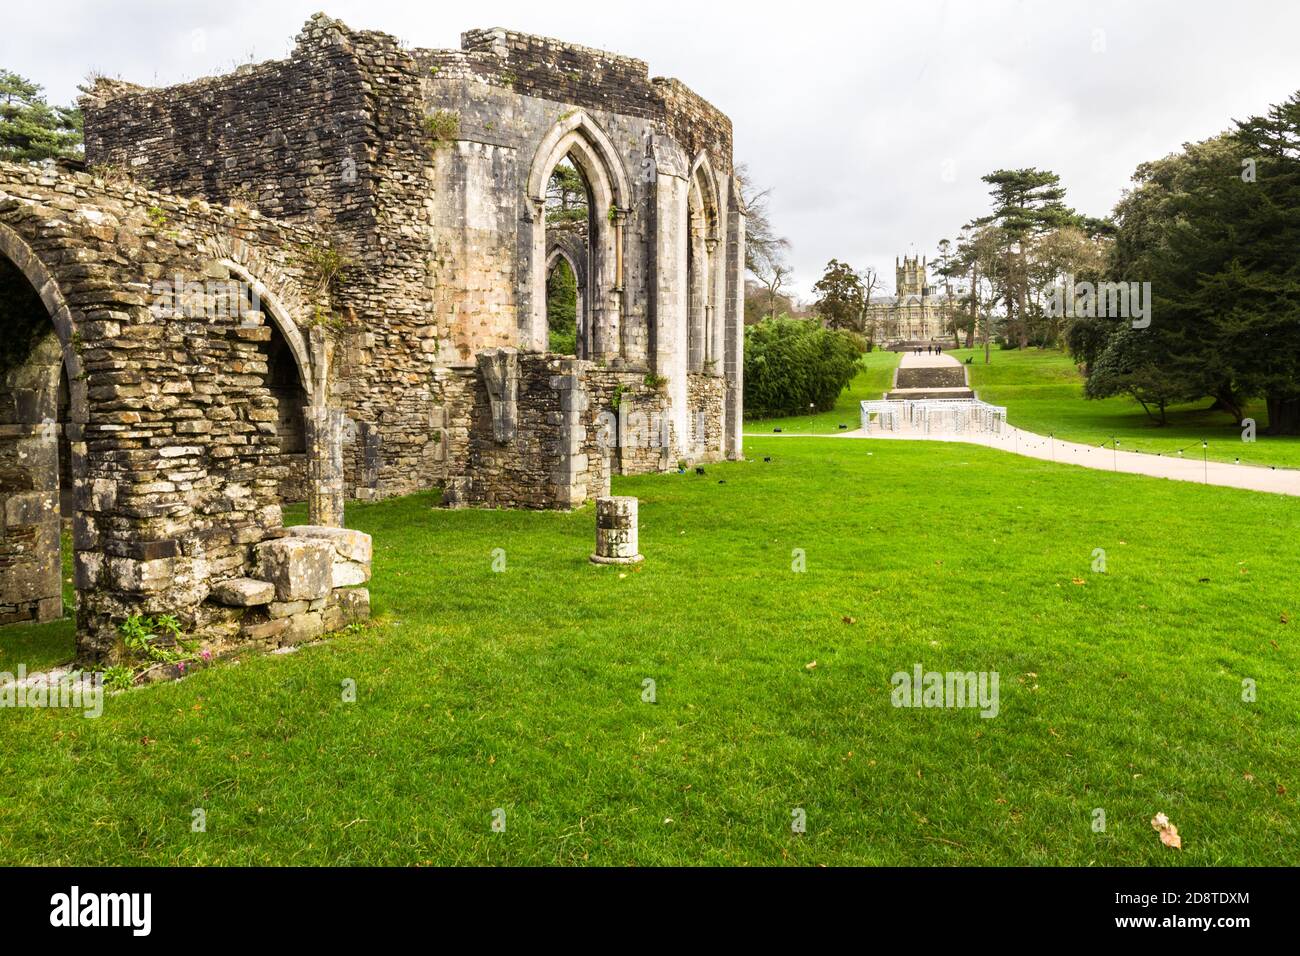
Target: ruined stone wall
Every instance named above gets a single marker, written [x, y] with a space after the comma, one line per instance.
[414, 165]
[708, 395]
[173, 427]
[333, 136]
[638, 436]
[527, 441]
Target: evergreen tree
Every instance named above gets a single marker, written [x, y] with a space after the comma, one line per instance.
[31, 129]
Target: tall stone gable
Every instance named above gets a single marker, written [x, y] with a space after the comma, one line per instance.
[421, 168]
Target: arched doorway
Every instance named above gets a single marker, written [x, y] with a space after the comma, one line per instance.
[278, 415]
[289, 398]
[36, 461]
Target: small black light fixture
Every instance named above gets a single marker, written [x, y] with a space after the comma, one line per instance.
[843, 426]
[699, 469]
[767, 457]
[777, 430]
[722, 481]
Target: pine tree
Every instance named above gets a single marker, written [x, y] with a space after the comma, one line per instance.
[31, 129]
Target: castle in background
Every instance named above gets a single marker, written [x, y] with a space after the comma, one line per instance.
[916, 313]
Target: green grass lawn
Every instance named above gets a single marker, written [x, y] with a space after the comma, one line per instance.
[42, 646]
[870, 383]
[1043, 392]
[523, 690]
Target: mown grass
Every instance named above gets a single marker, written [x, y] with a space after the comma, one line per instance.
[42, 646]
[522, 690]
[870, 383]
[1043, 392]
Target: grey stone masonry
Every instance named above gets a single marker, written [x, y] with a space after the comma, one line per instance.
[324, 277]
[616, 531]
[429, 169]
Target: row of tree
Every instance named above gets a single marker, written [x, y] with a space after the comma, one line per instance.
[1211, 234]
[1000, 274]
[1215, 230]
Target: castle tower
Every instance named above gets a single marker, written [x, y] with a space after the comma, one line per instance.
[910, 276]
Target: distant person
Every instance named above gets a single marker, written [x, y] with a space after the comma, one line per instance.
[938, 350]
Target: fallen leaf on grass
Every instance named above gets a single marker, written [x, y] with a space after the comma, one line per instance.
[810, 665]
[1168, 832]
[1080, 581]
[849, 620]
[1286, 618]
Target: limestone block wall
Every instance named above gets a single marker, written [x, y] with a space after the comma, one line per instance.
[708, 396]
[172, 424]
[420, 167]
[332, 137]
[544, 459]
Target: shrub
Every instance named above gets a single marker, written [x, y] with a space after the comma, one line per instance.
[791, 364]
[443, 126]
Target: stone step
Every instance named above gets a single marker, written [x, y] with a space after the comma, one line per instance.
[916, 394]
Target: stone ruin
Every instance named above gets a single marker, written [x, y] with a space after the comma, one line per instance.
[324, 278]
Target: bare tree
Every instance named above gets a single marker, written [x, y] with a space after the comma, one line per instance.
[764, 250]
[871, 281]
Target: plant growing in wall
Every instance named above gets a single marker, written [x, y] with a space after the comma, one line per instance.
[322, 265]
[242, 198]
[443, 126]
[148, 642]
[656, 382]
[113, 174]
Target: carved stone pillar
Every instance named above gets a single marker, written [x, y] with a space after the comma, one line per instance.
[324, 434]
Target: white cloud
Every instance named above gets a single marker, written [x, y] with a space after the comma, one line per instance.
[849, 111]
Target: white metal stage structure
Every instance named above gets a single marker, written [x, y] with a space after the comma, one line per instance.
[952, 416]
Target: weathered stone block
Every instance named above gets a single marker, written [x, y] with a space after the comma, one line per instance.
[300, 568]
[346, 574]
[348, 544]
[287, 608]
[243, 592]
[355, 602]
[264, 630]
[302, 627]
[29, 508]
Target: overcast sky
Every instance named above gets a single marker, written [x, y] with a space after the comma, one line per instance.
[872, 122]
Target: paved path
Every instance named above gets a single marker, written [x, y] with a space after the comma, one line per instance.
[1192, 468]
[926, 360]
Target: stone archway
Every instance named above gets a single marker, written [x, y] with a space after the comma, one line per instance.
[304, 363]
[42, 410]
[569, 246]
[705, 278]
[578, 137]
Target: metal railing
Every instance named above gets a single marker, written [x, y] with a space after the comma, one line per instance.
[955, 415]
